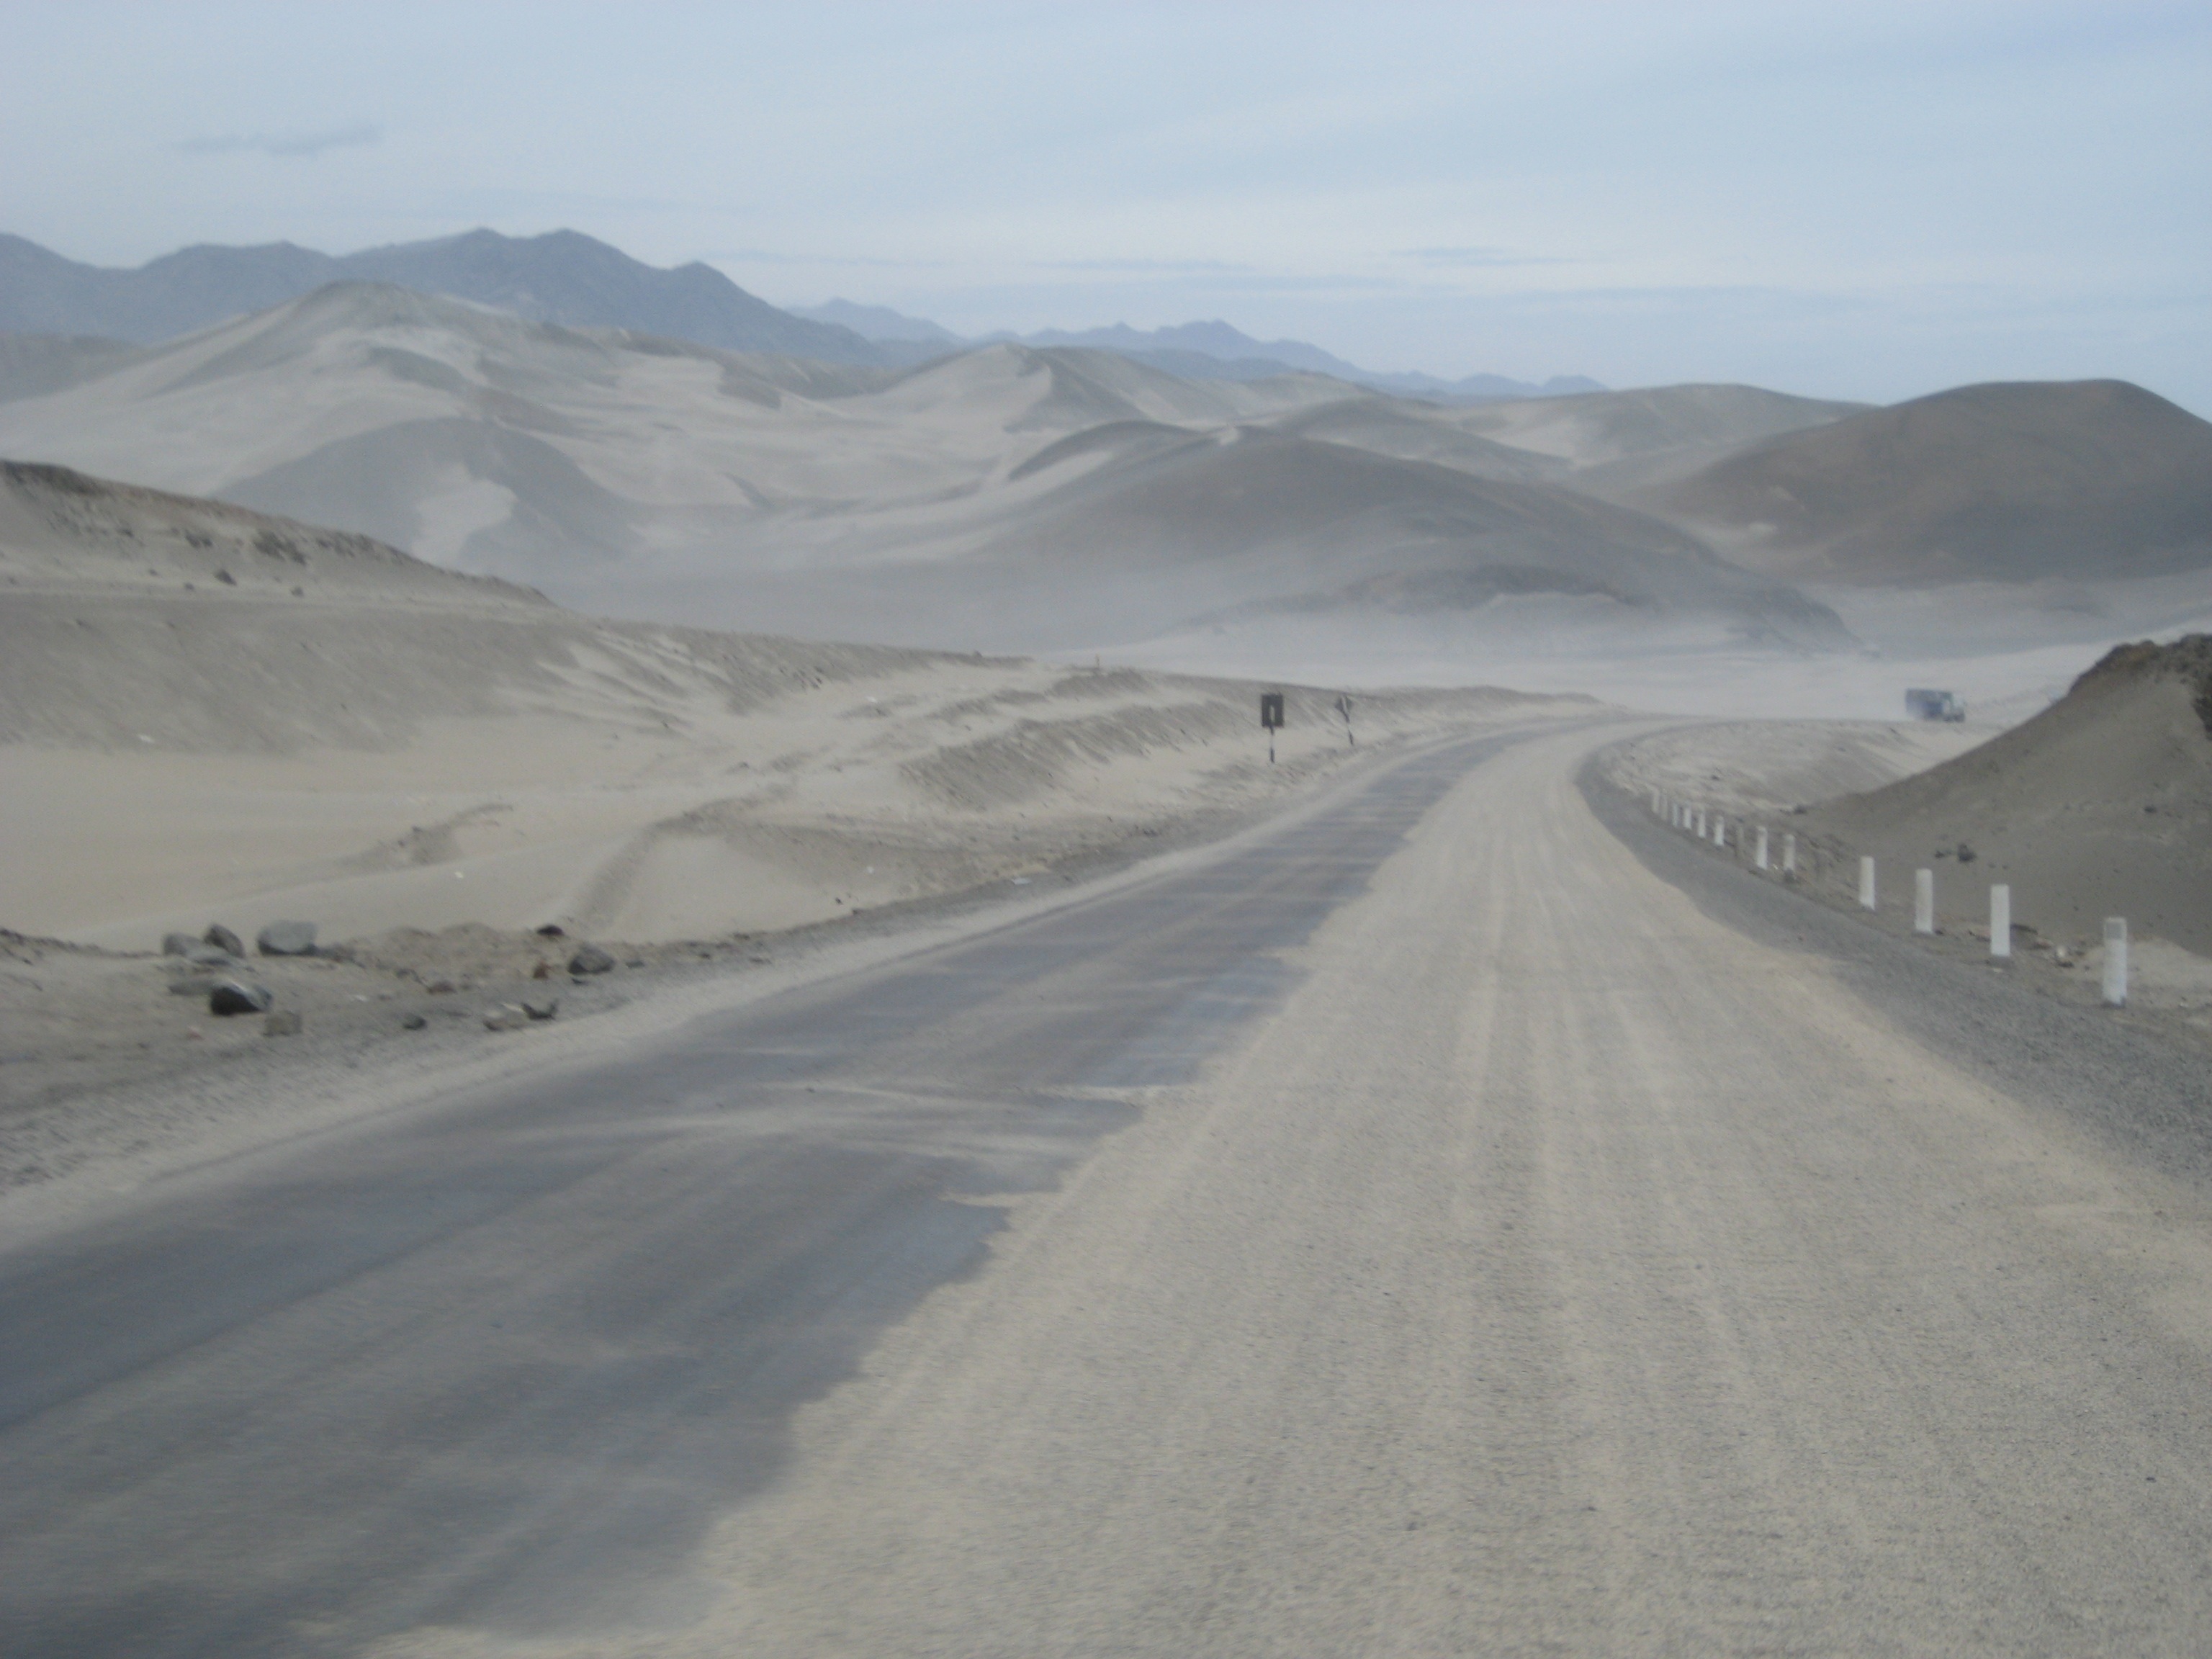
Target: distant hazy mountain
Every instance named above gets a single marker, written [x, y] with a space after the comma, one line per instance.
[1199, 351]
[561, 277]
[1219, 341]
[565, 277]
[878, 323]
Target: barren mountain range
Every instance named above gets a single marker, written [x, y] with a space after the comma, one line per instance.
[565, 277]
[1010, 496]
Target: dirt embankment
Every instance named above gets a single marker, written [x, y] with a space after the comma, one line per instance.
[2100, 806]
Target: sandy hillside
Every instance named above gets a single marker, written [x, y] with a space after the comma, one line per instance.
[1764, 771]
[1611, 441]
[2083, 480]
[207, 714]
[1004, 498]
[2100, 805]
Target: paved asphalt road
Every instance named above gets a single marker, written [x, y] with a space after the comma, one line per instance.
[1452, 1225]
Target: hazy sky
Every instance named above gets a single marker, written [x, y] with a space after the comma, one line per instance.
[1868, 200]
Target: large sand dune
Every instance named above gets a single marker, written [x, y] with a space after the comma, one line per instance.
[1003, 498]
[2086, 480]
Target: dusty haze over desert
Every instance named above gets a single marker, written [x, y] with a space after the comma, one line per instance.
[1038, 829]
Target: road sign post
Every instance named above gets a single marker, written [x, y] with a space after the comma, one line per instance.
[1271, 718]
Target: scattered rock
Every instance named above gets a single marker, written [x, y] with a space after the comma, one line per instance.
[286, 939]
[634, 962]
[544, 1009]
[542, 971]
[226, 579]
[413, 1023]
[508, 1017]
[232, 996]
[223, 939]
[439, 987]
[552, 930]
[207, 956]
[1966, 854]
[285, 1022]
[176, 944]
[590, 959]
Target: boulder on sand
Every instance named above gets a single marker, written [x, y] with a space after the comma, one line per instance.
[287, 939]
[508, 1017]
[177, 945]
[223, 939]
[232, 996]
[590, 959]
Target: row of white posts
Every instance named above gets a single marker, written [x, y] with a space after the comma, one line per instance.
[1692, 819]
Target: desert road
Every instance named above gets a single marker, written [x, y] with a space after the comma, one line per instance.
[1465, 1221]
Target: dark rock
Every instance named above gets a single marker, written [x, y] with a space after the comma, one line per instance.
[552, 930]
[439, 987]
[542, 971]
[1966, 854]
[226, 579]
[286, 939]
[232, 996]
[544, 1009]
[413, 1023]
[176, 945]
[285, 1022]
[590, 959]
[223, 939]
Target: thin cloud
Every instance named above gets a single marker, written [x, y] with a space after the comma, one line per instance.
[290, 145]
[1176, 267]
[765, 256]
[1482, 257]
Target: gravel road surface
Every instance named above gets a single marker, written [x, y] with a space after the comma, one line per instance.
[1463, 1222]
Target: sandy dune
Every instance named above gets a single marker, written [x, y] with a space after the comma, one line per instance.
[208, 714]
[1004, 498]
[2092, 479]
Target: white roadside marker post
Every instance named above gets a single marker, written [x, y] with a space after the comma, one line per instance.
[1866, 882]
[1701, 823]
[2116, 961]
[1720, 830]
[1924, 900]
[1789, 855]
[1759, 856]
[2001, 918]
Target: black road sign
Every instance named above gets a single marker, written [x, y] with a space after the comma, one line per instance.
[1271, 710]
